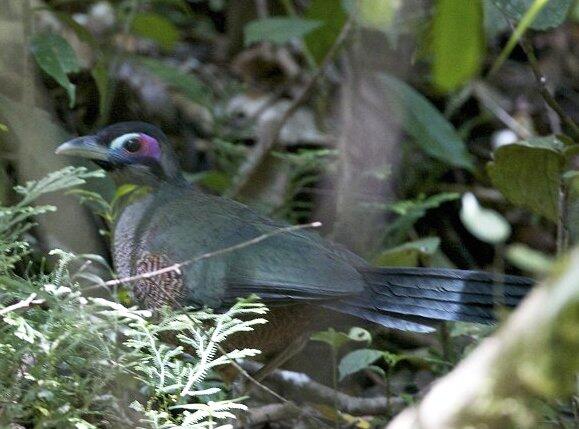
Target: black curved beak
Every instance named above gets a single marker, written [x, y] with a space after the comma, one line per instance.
[84, 147]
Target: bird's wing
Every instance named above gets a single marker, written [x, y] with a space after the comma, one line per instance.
[285, 267]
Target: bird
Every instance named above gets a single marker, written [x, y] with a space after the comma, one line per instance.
[301, 276]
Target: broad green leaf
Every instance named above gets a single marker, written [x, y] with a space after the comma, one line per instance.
[527, 259]
[528, 173]
[378, 14]
[552, 14]
[157, 28]
[57, 58]
[494, 20]
[458, 42]
[408, 254]
[431, 130]
[526, 21]
[357, 360]
[332, 17]
[188, 84]
[278, 30]
[485, 224]
[100, 74]
[331, 337]
[3, 128]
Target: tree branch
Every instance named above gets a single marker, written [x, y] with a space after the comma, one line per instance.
[301, 386]
[20, 304]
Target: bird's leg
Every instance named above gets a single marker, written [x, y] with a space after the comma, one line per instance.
[286, 354]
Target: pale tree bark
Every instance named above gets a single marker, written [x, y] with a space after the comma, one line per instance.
[369, 140]
[534, 356]
[34, 134]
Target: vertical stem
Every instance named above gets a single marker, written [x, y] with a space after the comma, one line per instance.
[27, 74]
[335, 381]
[562, 230]
[498, 273]
[445, 342]
[389, 387]
[114, 63]
[262, 9]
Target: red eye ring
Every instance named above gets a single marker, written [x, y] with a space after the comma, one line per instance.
[132, 145]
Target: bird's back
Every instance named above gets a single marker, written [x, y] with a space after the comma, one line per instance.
[176, 223]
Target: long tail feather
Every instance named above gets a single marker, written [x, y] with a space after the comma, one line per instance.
[442, 294]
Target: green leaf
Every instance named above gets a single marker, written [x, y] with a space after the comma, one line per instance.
[420, 205]
[278, 30]
[373, 14]
[408, 254]
[485, 224]
[458, 42]
[187, 84]
[526, 21]
[357, 360]
[528, 173]
[432, 132]
[331, 337]
[551, 15]
[410, 211]
[100, 74]
[157, 28]
[527, 259]
[333, 18]
[57, 58]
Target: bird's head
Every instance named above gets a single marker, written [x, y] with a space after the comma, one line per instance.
[133, 152]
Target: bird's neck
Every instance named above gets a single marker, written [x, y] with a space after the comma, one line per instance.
[146, 179]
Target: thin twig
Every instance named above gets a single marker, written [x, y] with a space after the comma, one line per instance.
[562, 220]
[543, 89]
[115, 62]
[261, 9]
[20, 304]
[268, 143]
[28, 78]
[177, 267]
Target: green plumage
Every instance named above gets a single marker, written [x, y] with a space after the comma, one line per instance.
[177, 223]
[182, 223]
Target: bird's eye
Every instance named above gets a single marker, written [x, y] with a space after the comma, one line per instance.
[132, 145]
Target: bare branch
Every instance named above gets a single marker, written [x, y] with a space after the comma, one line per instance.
[20, 304]
[301, 386]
